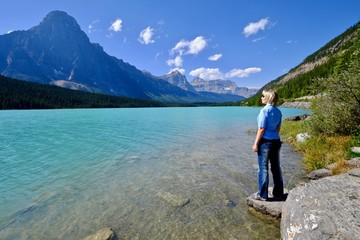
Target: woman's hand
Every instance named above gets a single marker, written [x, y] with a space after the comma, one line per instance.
[255, 147]
[260, 132]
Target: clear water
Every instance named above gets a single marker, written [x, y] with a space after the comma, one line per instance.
[64, 174]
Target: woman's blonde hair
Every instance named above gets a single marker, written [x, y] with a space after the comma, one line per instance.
[271, 97]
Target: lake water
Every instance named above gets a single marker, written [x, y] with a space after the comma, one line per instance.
[150, 173]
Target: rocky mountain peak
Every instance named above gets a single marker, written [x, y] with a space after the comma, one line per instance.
[59, 26]
[176, 78]
[175, 73]
[58, 19]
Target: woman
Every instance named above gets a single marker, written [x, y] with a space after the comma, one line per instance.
[267, 145]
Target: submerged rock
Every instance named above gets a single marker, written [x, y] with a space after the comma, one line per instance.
[173, 199]
[328, 208]
[230, 203]
[103, 234]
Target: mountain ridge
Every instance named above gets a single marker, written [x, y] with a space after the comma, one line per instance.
[222, 86]
[331, 59]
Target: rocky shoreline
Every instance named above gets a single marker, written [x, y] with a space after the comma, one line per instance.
[327, 207]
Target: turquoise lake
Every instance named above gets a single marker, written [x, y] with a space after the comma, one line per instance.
[148, 173]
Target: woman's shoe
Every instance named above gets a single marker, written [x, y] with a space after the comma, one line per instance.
[256, 196]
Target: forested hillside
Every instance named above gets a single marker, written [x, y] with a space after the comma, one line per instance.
[331, 59]
[15, 94]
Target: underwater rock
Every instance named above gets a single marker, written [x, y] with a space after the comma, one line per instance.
[173, 199]
[103, 234]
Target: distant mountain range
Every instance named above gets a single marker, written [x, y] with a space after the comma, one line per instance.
[58, 52]
[221, 86]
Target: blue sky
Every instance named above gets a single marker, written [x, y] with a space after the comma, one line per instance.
[248, 41]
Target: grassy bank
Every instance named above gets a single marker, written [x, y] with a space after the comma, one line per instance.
[321, 150]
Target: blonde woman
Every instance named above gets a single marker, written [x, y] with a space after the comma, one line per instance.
[267, 145]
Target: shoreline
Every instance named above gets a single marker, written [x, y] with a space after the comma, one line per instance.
[326, 205]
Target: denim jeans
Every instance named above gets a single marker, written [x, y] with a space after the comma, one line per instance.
[269, 151]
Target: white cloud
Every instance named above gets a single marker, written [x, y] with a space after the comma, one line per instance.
[116, 26]
[291, 41]
[215, 57]
[215, 73]
[207, 73]
[197, 45]
[258, 39]
[177, 62]
[253, 28]
[179, 47]
[242, 73]
[145, 36]
[189, 47]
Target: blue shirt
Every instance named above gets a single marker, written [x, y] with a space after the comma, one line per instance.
[270, 119]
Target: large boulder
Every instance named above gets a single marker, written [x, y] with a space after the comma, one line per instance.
[328, 208]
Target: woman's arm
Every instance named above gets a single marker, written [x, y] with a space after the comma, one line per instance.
[259, 134]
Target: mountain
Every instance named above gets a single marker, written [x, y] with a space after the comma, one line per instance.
[58, 52]
[331, 59]
[222, 87]
[176, 78]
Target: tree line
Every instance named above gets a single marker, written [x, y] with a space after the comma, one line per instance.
[16, 94]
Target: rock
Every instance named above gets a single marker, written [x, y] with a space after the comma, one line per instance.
[354, 162]
[103, 234]
[298, 117]
[354, 172]
[230, 203]
[328, 208]
[355, 150]
[320, 173]
[331, 166]
[302, 137]
[296, 105]
[272, 207]
[174, 200]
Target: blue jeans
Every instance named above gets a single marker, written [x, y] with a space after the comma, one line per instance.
[269, 151]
